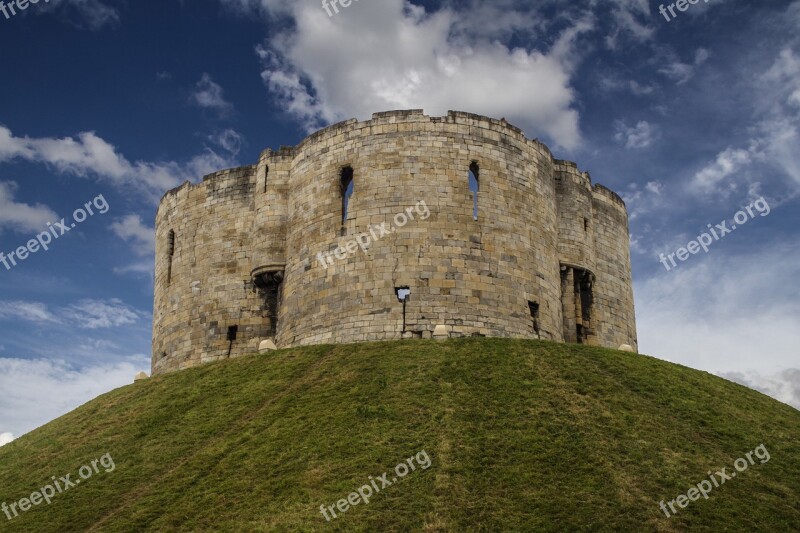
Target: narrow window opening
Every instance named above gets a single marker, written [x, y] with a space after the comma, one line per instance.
[403, 294]
[170, 254]
[273, 299]
[577, 299]
[232, 332]
[534, 309]
[474, 186]
[587, 299]
[584, 299]
[266, 177]
[346, 187]
[585, 224]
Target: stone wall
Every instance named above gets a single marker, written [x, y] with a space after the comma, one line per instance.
[251, 244]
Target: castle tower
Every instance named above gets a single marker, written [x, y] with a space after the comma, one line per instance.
[402, 226]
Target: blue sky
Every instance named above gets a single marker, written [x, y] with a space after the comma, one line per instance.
[115, 101]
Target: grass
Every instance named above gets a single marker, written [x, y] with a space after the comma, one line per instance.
[522, 436]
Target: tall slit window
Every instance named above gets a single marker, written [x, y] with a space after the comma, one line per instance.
[266, 177]
[346, 187]
[170, 254]
[474, 186]
[534, 309]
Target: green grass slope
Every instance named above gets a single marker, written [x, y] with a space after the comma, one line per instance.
[521, 436]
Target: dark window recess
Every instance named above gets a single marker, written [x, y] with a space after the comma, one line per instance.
[534, 309]
[585, 224]
[577, 300]
[403, 294]
[232, 331]
[587, 297]
[474, 186]
[270, 287]
[266, 177]
[346, 187]
[170, 254]
[584, 300]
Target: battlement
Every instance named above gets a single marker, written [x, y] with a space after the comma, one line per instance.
[286, 252]
[605, 192]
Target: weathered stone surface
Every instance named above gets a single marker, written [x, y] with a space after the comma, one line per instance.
[440, 332]
[267, 345]
[140, 376]
[250, 244]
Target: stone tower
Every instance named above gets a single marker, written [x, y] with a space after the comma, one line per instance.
[402, 226]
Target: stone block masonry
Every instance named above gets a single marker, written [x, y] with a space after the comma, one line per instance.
[546, 257]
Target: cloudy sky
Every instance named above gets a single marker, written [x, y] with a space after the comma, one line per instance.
[106, 104]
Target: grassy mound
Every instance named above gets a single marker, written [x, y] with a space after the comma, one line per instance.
[520, 436]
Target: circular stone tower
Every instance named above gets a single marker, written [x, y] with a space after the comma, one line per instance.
[403, 226]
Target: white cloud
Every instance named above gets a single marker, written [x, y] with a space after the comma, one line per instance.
[88, 155]
[93, 14]
[639, 136]
[616, 83]
[90, 346]
[130, 228]
[93, 314]
[680, 72]
[5, 438]
[229, 140]
[643, 200]
[28, 311]
[144, 269]
[785, 70]
[209, 95]
[377, 56]
[783, 386]
[770, 155]
[20, 216]
[35, 392]
[773, 147]
[632, 17]
[724, 313]
[728, 162]
[84, 314]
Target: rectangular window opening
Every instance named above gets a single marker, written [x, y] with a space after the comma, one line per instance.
[474, 186]
[346, 187]
[170, 253]
[533, 307]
